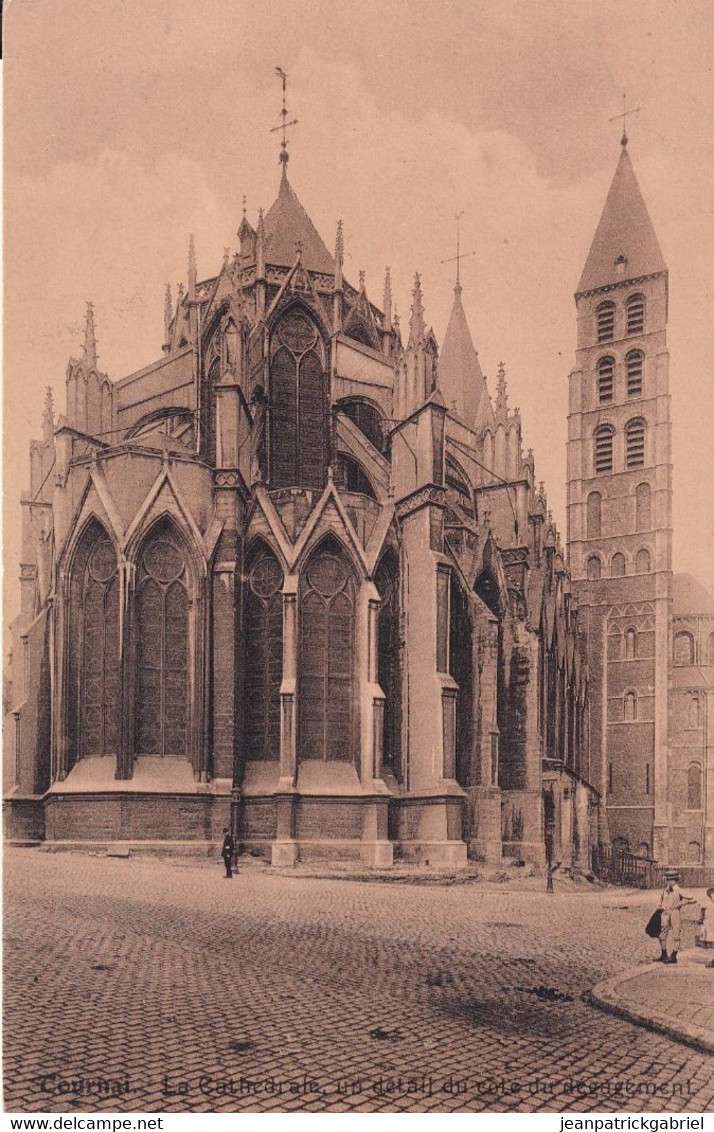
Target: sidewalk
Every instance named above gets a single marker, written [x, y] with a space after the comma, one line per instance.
[673, 1000]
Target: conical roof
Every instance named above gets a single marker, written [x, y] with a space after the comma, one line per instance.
[625, 230]
[288, 226]
[460, 378]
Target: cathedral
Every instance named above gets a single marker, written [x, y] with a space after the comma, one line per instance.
[297, 577]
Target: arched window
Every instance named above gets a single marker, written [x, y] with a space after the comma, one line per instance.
[594, 568]
[642, 562]
[298, 405]
[263, 639]
[621, 844]
[694, 712]
[386, 579]
[366, 417]
[327, 630]
[683, 648]
[635, 443]
[350, 475]
[643, 503]
[694, 787]
[603, 449]
[630, 644]
[605, 318]
[694, 853]
[94, 684]
[635, 308]
[461, 666]
[630, 712]
[617, 565]
[594, 515]
[643, 849]
[634, 363]
[605, 380]
[162, 623]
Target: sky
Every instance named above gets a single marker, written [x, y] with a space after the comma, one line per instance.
[131, 123]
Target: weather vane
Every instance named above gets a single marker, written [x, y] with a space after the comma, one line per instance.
[284, 125]
[624, 116]
[459, 255]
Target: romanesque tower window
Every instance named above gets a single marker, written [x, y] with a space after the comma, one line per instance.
[594, 515]
[263, 628]
[643, 519]
[635, 443]
[635, 308]
[386, 580]
[694, 712]
[617, 565]
[605, 319]
[327, 628]
[163, 609]
[630, 709]
[694, 787]
[604, 439]
[298, 405]
[605, 380]
[594, 568]
[93, 715]
[683, 649]
[634, 363]
[643, 562]
[630, 644]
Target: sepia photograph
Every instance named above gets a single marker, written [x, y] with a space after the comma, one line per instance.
[358, 549]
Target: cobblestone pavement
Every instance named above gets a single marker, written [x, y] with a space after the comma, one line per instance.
[182, 991]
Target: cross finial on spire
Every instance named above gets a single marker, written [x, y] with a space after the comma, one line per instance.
[245, 203]
[459, 255]
[89, 355]
[284, 125]
[416, 324]
[624, 116]
[361, 280]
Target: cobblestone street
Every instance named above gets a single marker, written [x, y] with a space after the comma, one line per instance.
[183, 991]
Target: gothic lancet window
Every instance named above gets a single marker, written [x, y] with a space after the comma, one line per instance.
[635, 314]
[94, 648]
[298, 406]
[604, 438]
[162, 622]
[605, 318]
[263, 627]
[605, 380]
[386, 580]
[594, 515]
[326, 662]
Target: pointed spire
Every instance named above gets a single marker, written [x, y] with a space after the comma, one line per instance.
[361, 280]
[168, 313]
[339, 255]
[387, 299]
[396, 326]
[48, 416]
[460, 377]
[191, 268]
[89, 352]
[260, 247]
[226, 257]
[501, 393]
[416, 323]
[625, 245]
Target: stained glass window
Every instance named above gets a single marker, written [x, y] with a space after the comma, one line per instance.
[388, 659]
[162, 616]
[263, 628]
[298, 406]
[326, 658]
[96, 590]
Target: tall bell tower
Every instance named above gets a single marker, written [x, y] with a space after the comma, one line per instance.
[619, 513]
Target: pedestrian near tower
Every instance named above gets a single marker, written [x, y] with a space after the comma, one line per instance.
[671, 903]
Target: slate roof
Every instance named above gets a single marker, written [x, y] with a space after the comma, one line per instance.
[286, 224]
[691, 598]
[625, 229]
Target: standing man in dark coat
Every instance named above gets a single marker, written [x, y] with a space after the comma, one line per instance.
[227, 850]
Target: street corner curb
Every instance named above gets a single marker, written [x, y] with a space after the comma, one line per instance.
[607, 996]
